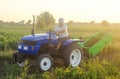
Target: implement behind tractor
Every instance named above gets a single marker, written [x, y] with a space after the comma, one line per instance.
[96, 43]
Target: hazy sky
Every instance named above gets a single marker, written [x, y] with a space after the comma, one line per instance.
[77, 10]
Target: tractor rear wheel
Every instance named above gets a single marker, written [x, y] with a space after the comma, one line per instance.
[45, 62]
[73, 55]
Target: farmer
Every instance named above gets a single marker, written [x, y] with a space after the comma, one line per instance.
[62, 32]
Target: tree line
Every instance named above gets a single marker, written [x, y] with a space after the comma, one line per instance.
[12, 23]
[44, 20]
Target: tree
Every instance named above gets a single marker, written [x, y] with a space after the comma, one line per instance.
[1, 23]
[92, 22]
[12, 23]
[21, 22]
[45, 19]
[104, 23]
[71, 22]
[28, 22]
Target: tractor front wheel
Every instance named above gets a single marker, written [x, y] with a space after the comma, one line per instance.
[21, 64]
[45, 62]
[19, 58]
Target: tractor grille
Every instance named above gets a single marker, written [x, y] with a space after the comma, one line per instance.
[26, 42]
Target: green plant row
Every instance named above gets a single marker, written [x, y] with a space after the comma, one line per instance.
[91, 69]
[9, 40]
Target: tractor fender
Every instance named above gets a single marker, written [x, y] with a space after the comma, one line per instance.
[69, 42]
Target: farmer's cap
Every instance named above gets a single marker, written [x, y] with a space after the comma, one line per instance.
[61, 20]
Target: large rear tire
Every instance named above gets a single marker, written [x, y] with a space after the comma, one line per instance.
[73, 55]
[45, 62]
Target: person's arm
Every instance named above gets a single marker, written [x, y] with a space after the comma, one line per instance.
[56, 31]
[64, 30]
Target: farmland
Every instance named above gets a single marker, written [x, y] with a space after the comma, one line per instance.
[106, 65]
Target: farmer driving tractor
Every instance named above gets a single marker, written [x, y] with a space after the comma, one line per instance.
[62, 32]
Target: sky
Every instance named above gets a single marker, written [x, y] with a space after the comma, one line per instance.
[76, 10]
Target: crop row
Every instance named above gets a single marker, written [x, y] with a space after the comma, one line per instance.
[9, 40]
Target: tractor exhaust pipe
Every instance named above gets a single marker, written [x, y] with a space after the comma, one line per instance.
[32, 31]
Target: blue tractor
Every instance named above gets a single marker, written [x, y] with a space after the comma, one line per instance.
[41, 49]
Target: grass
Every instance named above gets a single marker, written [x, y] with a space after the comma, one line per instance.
[106, 65]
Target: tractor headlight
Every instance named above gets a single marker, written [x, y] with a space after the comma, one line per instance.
[25, 47]
[19, 47]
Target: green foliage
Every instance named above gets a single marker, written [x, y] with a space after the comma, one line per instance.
[45, 19]
[92, 69]
[25, 70]
[9, 40]
[12, 71]
[96, 69]
[48, 75]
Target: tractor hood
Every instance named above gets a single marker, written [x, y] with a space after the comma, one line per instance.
[36, 37]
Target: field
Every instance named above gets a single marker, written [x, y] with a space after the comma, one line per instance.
[106, 65]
